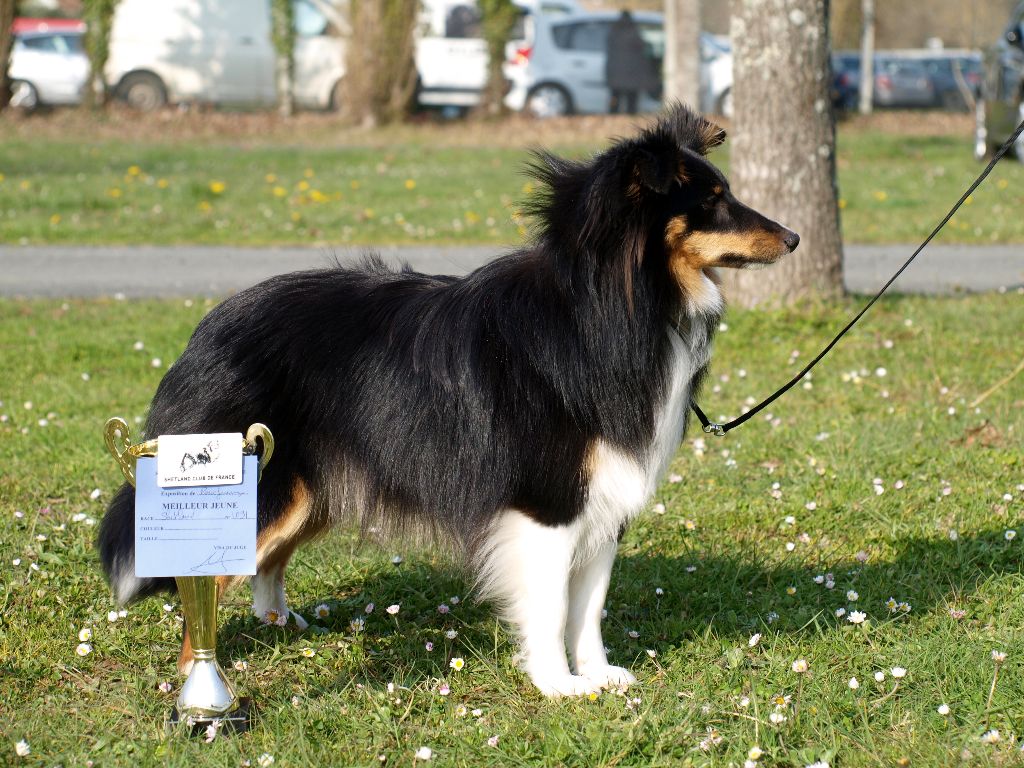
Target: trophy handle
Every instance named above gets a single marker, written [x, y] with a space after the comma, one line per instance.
[262, 432]
[118, 438]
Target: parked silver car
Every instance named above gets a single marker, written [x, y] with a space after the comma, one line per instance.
[48, 64]
[560, 68]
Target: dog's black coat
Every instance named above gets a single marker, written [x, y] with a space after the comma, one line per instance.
[401, 399]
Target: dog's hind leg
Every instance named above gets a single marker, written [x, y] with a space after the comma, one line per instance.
[588, 587]
[274, 547]
[526, 570]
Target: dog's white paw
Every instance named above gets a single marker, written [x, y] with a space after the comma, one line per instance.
[300, 622]
[566, 685]
[608, 676]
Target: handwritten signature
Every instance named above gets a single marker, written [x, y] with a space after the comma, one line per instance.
[216, 563]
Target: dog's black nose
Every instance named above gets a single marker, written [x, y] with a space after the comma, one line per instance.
[792, 240]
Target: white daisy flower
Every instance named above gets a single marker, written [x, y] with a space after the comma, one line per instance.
[852, 596]
[424, 753]
[800, 666]
[991, 737]
[22, 749]
[754, 640]
[857, 617]
[777, 718]
[393, 609]
[998, 656]
[943, 709]
[853, 683]
[879, 676]
[898, 672]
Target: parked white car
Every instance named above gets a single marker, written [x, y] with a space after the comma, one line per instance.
[217, 51]
[451, 55]
[48, 63]
[560, 68]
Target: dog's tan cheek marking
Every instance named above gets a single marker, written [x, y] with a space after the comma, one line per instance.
[685, 263]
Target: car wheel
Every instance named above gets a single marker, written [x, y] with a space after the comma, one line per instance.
[24, 95]
[725, 103]
[953, 101]
[337, 97]
[548, 100]
[143, 91]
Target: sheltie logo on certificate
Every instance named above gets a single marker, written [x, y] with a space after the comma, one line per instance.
[203, 525]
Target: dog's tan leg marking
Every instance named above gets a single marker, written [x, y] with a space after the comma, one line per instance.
[274, 547]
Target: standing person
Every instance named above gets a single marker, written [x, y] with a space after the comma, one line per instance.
[628, 69]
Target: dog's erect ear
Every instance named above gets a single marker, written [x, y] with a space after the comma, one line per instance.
[652, 164]
[690, 129]
[655, 168]
[711, 136]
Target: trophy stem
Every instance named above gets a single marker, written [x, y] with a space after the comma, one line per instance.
[207, 695]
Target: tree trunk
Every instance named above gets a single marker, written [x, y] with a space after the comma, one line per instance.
[282, 35]
[380, 73]
[682, 52]
[867, 57]
[6, 40]
[783, 148]
[99, 18]
[497, 20]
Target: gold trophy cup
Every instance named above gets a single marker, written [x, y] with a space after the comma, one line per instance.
[207, 697]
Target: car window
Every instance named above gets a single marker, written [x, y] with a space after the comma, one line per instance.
[73, 43]
[308, 21]
[654, 40]
[463, 21]
[46, 43]
[582, 35]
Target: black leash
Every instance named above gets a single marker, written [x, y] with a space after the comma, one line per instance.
[720, 429]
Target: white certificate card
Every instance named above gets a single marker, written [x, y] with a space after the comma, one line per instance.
[206, 530]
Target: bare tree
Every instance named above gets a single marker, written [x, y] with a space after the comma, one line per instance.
[6, 20]
[282, 14]
[682, 51]
[867, 57]
[783, 149]
[380, 73]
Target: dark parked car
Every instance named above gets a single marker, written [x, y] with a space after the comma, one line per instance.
[1001, 109]
[846, 80]
[900, 82]
[956, 78]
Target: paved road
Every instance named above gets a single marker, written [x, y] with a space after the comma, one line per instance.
[71, 271]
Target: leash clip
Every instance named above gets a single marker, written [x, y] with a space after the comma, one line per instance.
[715, 429]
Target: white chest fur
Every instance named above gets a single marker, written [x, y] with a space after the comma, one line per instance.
[620, 486]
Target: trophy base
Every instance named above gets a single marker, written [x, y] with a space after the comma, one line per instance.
[238, 721]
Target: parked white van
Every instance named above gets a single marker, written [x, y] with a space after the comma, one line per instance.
[217, 51]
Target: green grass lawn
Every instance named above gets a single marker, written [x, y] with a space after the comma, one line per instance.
[887, 485]
[78, 190]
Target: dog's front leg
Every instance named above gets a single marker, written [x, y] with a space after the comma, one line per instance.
[588, 587]
[527, 571]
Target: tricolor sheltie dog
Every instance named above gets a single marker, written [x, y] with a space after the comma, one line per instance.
[522, 414]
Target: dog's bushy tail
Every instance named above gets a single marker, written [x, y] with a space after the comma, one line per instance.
[117, 551]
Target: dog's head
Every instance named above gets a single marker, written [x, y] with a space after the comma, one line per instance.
[657, 194]
[704, 224]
